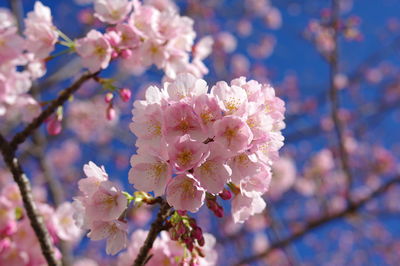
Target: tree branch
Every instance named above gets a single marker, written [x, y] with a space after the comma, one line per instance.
[335, 101]
[156, 227]
[24, 185]
[308, 227]
[8, 149]
[55, 189]
[18, 11]
[51, 108]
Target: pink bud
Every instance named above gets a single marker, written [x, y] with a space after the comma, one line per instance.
[201, 242]
[189, 244]
[219, 211]
[110, 113]
[114, 54]
[54, 126]
[215, 208]
[197, 233]
[125, 94]
[126, 53]
[225, 194]
[108, 98]
[192, 222]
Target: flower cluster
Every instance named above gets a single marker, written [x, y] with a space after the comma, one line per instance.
[192, 143]
[18, 242]
[101, 208]
[28, 51]
[152, 33]
[168, 252]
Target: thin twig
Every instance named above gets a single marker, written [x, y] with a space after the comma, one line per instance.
[51, 108]
[35, 218]
[335, 100]
[156, 227]
[309, 226]
[8, 150]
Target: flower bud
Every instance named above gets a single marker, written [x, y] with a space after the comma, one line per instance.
[192, 223]
[215, 207]
[54, 126]
[189, 244]
[125, 94]
[108, 98]
[110, 113]
[114, 54]
[225, 194]
[219, 211]
[201, 242]
[126, 53]
[197, 233]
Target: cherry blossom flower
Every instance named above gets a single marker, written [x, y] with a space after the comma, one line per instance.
[107, 203]
[112, 11]
[94, 177]
[233, 99]
[149, 173]
[243, 206]
[64, 223]
[180, 120]
[186, 86]
[233, 133]
[95, 50]
[40, 32]
[115, 232]
[7, 19]
[184, 193]
[186, 154]
[214, 172]
[207, 110]
[11, 44]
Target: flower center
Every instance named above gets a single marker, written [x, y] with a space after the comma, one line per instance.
[185, 157]
[159, 169]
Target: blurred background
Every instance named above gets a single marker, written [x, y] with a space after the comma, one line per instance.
[342, 122]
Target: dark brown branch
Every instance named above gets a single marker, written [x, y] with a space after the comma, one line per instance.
[308, 227]
[18, 11]
[55, 189]
[35, 218]
[9, 149]
[335, 100]
[51, 108]
[156, 227]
